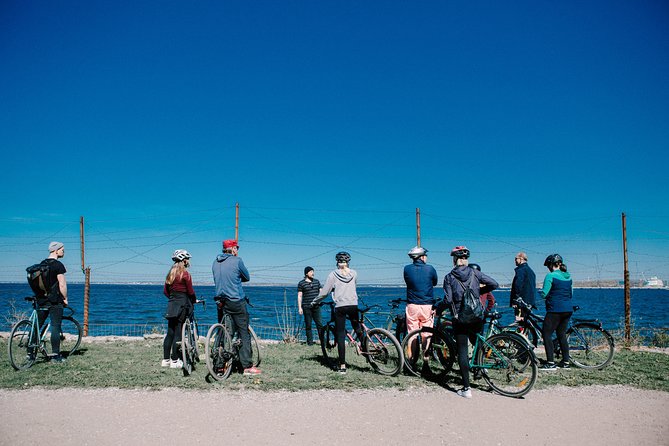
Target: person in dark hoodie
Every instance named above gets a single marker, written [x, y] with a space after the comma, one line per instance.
[557, 291]
[229, 273]
[343, 281]
[462, 276]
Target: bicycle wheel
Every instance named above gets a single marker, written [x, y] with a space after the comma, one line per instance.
[431, 359]
[329, 346]
[507, 364]
[255, 348]
[218, 355]
[21, 350]
[187, 348]
[590, 347]
[384, 352]
[70, 336]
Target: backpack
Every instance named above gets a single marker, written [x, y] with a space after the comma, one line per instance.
[38, 279]
[471, 310]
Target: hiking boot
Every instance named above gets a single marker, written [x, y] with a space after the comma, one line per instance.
[564, 365]
[176, 364]
[548, 367]
[252, 371]
[165, 363]
[465, 392]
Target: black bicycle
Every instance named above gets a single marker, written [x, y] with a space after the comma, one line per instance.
[396, 321]
[590, 345]
[222, 347]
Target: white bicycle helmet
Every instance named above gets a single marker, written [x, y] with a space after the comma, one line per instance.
[417, 251]
[180, 255]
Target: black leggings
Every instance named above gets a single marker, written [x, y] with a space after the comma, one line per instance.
[465, 333]
[349, 312]
[556, 322]
[171, 338]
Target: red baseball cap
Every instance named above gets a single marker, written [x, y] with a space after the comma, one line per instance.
[230, 244]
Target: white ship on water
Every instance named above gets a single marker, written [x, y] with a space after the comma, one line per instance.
[653, 282]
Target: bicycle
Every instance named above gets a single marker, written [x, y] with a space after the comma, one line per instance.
[222, 348]
[590, 345]
[27, 339]
[189, 340]
[396, 322]
[379, 347]
[504, 360]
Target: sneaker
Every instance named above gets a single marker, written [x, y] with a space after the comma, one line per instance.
[252, 371]
[341, 370]
[465, 392]
[165, 363]
[176, 364]
[58, 359]
[548, 367]
[564, 365]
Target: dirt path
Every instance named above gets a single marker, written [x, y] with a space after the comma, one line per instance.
[611, 415]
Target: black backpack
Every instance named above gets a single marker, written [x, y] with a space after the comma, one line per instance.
[471, 310]
[38, 279]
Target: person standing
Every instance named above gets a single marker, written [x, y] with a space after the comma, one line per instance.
[455, 283]
[487, 299]
[343, 281]
[56, 298]
[308, 290]
[557, 291]
[420, 279]
[523, 286]
[178, 289]
[229, 272]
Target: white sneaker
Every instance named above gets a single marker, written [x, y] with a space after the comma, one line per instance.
[465, 392]
[165, 363]
[176, 364]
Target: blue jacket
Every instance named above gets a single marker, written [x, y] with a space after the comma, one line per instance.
[229, 273]
[420, 279]
[524, 285]
[557, 291]
[454, 292]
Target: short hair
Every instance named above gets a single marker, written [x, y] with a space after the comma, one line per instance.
[522, 255]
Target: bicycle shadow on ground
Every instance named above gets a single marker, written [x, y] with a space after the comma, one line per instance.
[78, 352]
[334, 364]
[453, 383]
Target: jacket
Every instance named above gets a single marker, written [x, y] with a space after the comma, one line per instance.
[557, 291]
[454, 292]
[524, 285]
[229, 273]
[420, 279]
[344, 286]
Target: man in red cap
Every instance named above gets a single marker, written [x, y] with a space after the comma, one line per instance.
[229, 273]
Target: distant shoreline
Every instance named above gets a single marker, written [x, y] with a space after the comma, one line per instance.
[505, 287]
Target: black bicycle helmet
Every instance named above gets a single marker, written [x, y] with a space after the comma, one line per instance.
[553, 259]
[475, 266]
[460, 252]
[343, 257]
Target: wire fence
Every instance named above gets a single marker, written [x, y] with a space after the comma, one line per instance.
[278, 243]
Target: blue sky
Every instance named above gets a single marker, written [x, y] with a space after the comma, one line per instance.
[527, 126]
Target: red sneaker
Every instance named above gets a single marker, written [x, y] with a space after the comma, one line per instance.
[252, 371]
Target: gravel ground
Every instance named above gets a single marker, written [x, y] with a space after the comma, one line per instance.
[599, 415]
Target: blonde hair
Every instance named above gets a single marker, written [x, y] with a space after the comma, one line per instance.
[179, 268]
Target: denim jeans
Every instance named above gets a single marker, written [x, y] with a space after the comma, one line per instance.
[312, 313]
[55, 313]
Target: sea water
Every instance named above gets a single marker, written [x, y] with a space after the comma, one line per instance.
[113, 305]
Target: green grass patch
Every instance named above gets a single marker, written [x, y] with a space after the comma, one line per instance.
[291, 367]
